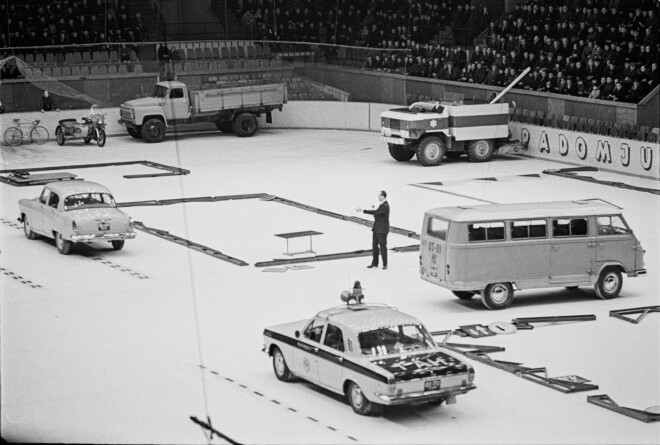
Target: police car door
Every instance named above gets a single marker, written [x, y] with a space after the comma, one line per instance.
[306, 353]
[331, 358]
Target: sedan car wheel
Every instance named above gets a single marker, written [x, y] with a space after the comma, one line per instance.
[29, 234]
[358, 401]
[282, 371]
[117, 244]
[63, 246]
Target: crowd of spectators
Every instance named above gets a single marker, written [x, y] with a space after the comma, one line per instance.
[373, 23]
[68, 22]
[587, 48]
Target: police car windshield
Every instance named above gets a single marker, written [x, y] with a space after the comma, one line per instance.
[89, 200]
[394, 340]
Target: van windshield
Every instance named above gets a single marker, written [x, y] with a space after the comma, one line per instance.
[394, 340]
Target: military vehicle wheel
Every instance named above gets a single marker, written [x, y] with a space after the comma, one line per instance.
[29, 234]
[358, 401]
[117, 244]
[463, 295]
[136, 133]
[282, 371]
[481, 150]
[153, 130]
[245, 125]
[609, 283]
[224, 126]
[497, 295]
[400, 152]
[431, 151]
[63, 246]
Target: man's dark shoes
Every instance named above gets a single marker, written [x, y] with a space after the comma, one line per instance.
[384, 267]
[371, 266]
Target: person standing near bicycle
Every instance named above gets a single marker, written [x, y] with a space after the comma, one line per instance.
[46, 102]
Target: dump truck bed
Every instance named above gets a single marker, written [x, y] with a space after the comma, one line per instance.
[207, 101]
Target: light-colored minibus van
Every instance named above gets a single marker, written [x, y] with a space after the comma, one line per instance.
[494, 249]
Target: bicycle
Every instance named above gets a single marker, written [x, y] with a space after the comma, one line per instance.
[38, 135]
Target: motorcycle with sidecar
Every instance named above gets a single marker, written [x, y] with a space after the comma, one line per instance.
[91, 128]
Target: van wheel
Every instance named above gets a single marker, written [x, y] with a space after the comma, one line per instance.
[282, 371]
[609, 283]
[245, 125]
[358, 401]
[153, 130]
[431, 151]
[400, 152]
[497, 295]
[463, 295]
[480, 150]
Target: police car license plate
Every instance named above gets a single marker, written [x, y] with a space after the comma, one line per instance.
[432, 385]
[104, 226]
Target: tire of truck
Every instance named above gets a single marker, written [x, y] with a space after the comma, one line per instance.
[400, 152]
[136, 133]
[153, 130]
[431, 151]
[224, 126]
[481, 150]
[245, 125]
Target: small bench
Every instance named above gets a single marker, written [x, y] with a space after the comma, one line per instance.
[287, 236]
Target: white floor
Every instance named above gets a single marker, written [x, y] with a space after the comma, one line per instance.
[98, 354]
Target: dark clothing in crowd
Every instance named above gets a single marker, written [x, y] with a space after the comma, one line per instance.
[380, 230]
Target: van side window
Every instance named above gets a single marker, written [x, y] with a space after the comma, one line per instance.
[569, 227]
[438, 228]
[490, 231]
[528, 229]
[611, 225]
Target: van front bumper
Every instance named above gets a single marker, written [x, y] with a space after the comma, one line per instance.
[424, 396]
[636, 273]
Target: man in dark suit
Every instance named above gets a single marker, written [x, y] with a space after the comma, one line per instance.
[380, 229]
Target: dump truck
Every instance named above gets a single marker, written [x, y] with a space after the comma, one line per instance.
[233, 110]
[433, 130]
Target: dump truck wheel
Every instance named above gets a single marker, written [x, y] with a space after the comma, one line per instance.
[224, 126]
[137, 134]
[153, 130]
[400, 152]
[481, 150]
[431, 151]
[245, 125]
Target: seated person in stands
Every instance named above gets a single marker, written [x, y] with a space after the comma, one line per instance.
[2, 107]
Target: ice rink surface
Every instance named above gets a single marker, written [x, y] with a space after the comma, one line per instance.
[109, 348]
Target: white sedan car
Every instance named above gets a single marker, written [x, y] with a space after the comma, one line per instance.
[373, 354]
[75, 211]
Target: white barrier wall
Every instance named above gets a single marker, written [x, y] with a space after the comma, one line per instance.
[626, 156]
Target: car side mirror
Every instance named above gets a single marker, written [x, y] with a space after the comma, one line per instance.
[297, 334]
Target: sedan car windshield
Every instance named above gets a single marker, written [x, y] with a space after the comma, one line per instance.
[89, 200]
[394, 340]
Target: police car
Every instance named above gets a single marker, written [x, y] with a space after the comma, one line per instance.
[372, 353]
